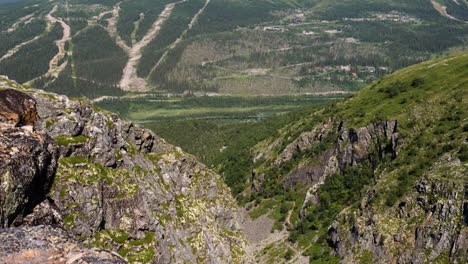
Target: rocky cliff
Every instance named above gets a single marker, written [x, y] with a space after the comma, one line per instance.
[426, 226]
[113, 184]
[377, 178]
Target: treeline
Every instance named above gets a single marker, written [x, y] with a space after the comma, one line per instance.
[33, 59]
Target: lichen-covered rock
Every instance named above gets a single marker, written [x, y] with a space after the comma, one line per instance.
[427, 226]
[334, 148]
[120, 187]
[42, 244]
[28, 161]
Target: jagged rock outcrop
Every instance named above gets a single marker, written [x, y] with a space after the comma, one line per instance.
[42, 244]
[120, 187]
[427, 226]
[17, 108]
[334, 148]
[28, 159]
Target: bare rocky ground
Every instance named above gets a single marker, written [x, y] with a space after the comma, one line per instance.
[47, 245]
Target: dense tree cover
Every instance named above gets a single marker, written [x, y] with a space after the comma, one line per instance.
[24, 33]
[226, 146]
[74, 87]
[93, 2]
[223, 15]
[130, 13]
[77, 25]
[377, 46]
[95, 68]
[171, 30]
[424, 38]
[459, 10]
[33, 59]
[97, 58]
[337, 10]
[11, 11]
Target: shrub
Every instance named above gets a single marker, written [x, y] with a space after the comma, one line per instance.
[417, 82]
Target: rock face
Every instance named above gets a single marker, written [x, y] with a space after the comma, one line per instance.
[17, 108]
[428, 226]
[334, 147]
[429, 222]
[41, 244]
[28, 159]
[120, 187]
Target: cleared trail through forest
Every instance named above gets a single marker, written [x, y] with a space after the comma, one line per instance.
[130, 80]
[112, 28]
[21, 20]
[54, 67]
[443, 11]
[49, 26]
[179, 39]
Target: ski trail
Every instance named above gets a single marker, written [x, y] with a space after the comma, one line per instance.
[15, 25]
[130, 80]
[112, 28]
[178, 40]
[443, 11]
[19, 46]
[54, 68]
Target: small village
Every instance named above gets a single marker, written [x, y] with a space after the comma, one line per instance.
[343, 73]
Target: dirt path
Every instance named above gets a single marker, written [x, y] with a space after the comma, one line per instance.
[288, 218]
[443, 11]
[130, 80]
[180, 38]
[112, 28]
[21, 20]
[15, 49]
[54, 68]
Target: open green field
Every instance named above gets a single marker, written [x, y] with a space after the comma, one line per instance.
[157, 108]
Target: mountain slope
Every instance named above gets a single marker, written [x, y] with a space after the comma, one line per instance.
[111, 48]
[115, 186]
[377, 177]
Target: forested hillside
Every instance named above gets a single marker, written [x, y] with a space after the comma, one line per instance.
[354, 179]
[229, 47]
